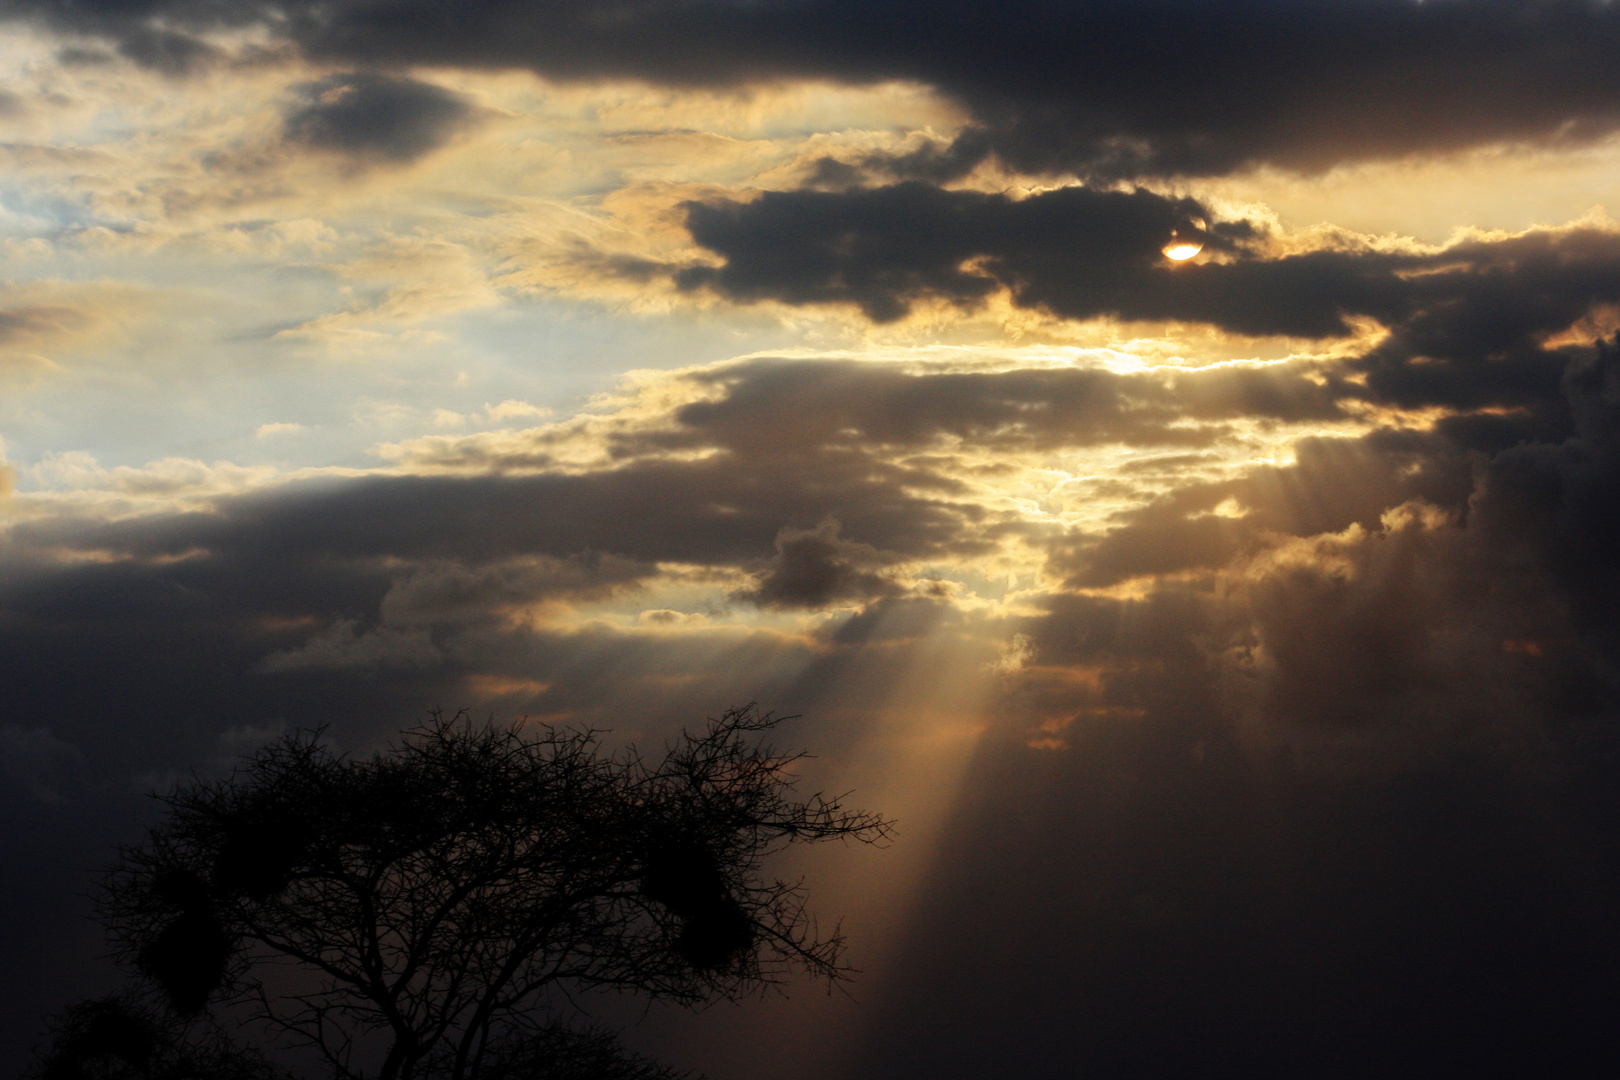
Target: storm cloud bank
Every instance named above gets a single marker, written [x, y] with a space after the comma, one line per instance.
[1147, 88]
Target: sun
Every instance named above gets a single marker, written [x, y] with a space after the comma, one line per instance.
[1186, 239]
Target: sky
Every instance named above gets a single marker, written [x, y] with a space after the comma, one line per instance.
[1234, 638]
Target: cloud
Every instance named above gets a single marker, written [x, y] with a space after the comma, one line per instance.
[275, 428]
[1079, 253]
[670, 618]
[402, 283]
[1403, 628]
[1150, 87]
[772, 407]
[47, 324]
[814, 568]
[883, 249]
[1204, 524]
[343, 645]
[808, 484]
[512, 409]
[169, 51]
[377, 118]
[1555, 502]
[452, 592]
[75, 477]
[25, 328]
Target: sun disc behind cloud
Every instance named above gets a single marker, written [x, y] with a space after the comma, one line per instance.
[1186, 239]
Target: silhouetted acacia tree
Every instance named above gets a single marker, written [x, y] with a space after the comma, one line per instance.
[412, 914]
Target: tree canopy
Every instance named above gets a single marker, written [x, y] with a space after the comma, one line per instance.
[418, 912]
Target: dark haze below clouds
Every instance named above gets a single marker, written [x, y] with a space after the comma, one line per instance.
[1156, 903]
[1131, 89]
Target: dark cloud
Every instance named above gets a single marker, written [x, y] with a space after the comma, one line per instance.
[1557, 505]
[417, 578]
[1460, 600]
[1160, 540]
[128, 668]
[82, 56]
[771, 408]
[438, 593]
[164, 50]
[1149, 87]
[1401, 583]
[1476, 312]
[883, 249]
[720, 511]
[1332, 484]
[413, 572]
[401, 588]
[413, 577]
[377, 117]
[815, 568]
[1478, 307]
